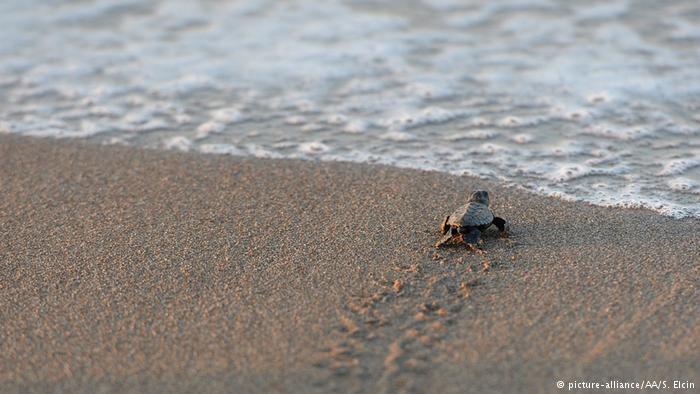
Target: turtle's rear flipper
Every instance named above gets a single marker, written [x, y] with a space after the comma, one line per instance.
[471, 235]
[445, 239]
[475, 249]
[444, 227]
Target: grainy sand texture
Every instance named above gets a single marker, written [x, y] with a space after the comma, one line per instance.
[127, 270]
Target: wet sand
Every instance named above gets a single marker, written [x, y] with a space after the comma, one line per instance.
[143, 271]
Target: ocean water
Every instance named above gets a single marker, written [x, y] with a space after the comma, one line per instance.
[595, 101]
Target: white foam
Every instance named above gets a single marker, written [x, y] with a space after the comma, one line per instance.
[312, 127]
[398, 136]
[209, 127]
[444, 5]
[426, 116]
[522, 138]
[150, 125]
[509, 121]
[679, 166]
[182, 119]
[479, 134]
[227, 115]
[295, 120]
[569, 172]
[226, 149]
[480, 121]
[602, 11]
[684, 184]
[489, 149]
[337, 119]
[429, 90]
[259, 151]
[618, 133]
[314, 147]
[683, 30]
[356, 126]
[178, 143]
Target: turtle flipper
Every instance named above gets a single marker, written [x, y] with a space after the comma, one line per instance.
[444, 227]
[500, 223]
[445, 239]
[470, 235]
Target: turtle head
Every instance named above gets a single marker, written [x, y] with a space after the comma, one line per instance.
[480, 196]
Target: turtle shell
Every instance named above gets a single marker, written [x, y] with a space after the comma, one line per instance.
[471, 214]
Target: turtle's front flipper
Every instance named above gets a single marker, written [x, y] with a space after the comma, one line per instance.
[500, 223]
[445, 239]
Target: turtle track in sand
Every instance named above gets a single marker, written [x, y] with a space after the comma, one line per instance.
[386, 337]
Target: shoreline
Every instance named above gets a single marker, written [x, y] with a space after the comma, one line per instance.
[134, 270]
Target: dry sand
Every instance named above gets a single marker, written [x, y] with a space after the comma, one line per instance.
[134, 270]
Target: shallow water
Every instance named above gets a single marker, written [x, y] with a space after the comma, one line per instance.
[590, 101]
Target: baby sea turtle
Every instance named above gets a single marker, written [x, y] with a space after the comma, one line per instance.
[466, 223]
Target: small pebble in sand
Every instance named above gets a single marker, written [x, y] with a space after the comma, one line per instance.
[413, 364]
[348, 325]
[412, 333]
[429, 307]
[437, 326]
[398, 285]
[465, 290]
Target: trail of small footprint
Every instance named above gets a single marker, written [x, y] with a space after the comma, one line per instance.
[386, 339]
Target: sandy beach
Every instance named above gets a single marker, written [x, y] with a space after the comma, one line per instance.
[131, 270]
